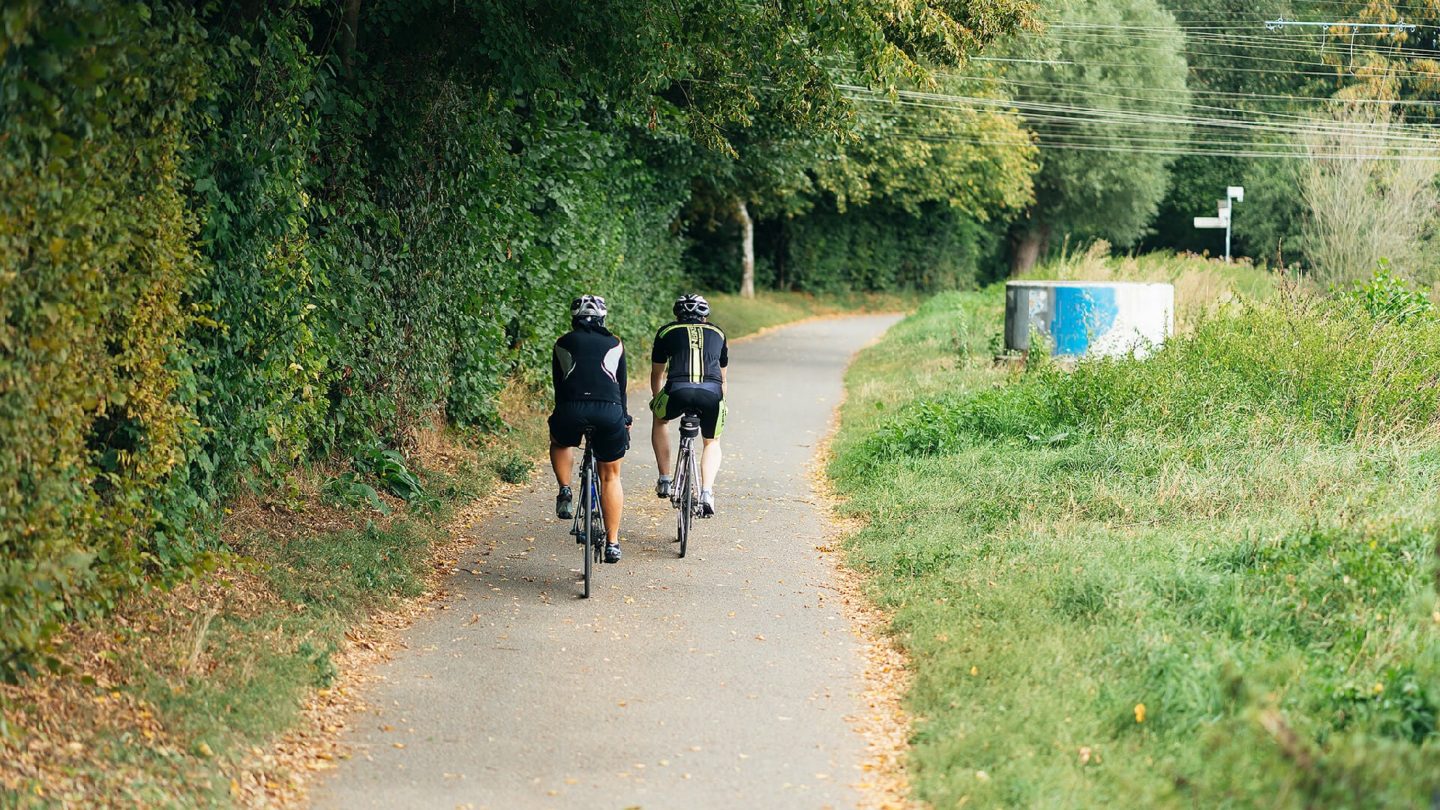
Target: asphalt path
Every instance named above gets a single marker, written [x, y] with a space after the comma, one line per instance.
[721, 680]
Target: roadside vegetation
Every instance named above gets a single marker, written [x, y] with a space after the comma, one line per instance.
[1204, 579]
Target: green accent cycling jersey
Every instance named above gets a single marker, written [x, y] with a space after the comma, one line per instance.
[694, 352]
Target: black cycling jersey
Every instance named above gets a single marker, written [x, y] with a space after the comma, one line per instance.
[589, 366]
[695, 352]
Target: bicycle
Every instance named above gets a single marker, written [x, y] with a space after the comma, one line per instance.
[589, 525]
[685, 483]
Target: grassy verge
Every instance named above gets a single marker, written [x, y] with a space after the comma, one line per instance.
[1207, 579]
[179, 698]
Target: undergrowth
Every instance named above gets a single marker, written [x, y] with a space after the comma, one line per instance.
[1207, 578]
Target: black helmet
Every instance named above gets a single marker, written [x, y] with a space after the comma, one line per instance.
[589, 306]
[691, 308]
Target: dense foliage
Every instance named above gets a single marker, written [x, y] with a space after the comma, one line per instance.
[237, 237]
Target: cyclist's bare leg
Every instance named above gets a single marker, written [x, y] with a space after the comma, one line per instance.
[562, 459]
[660, 440]
[612, 499]
[710, 463]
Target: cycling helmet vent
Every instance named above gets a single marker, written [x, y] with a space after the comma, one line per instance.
[692, 307]
[588, 306]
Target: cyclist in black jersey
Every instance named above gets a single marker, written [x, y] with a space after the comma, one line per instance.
[588, 364]
[690, 360]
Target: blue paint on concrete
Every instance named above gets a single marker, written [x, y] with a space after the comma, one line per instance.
[1081, 314]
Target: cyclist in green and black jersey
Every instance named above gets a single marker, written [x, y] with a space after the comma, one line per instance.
[688, 372]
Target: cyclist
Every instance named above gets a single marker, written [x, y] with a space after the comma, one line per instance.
[588, 364]
[695, 354]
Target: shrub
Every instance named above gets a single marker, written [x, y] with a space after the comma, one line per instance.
[219, 259]
[97, 251]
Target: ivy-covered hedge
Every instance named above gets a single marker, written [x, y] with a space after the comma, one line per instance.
[226, 248]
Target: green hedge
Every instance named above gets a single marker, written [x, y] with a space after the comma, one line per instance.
[226, 252]
[876, 247]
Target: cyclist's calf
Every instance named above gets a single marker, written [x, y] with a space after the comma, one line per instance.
[612, 498]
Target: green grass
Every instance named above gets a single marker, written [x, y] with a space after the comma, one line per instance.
[1239, 534]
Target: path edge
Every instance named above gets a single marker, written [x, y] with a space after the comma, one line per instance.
[884, 725]
[312, 747]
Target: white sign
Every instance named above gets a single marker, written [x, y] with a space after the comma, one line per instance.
[1212, 222]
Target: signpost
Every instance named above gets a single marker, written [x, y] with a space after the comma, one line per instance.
[1236, 193]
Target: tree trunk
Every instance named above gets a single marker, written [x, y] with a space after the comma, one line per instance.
[747, 250]
[1026, 247]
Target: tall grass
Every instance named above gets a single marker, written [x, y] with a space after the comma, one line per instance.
[1204, 579]
[1202, 284]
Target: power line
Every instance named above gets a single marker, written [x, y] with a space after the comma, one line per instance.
[1076, 114]
[1167, 97]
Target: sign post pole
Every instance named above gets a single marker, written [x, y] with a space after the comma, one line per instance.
[1236, 193]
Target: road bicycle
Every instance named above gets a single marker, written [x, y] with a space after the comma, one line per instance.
[589, 525]
[685, 483]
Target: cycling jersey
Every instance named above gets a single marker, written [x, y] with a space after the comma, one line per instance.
[589, 367]
[588, 364]
[695, 352]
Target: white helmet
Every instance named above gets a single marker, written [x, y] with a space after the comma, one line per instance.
[589, 306]
[691, 307]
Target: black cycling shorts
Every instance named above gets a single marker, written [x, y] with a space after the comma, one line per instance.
[611, 438]
[674, 401]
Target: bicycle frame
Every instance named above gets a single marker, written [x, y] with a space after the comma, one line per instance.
[685, 489]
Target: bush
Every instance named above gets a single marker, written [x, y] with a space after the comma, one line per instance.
[223, 258]
[875, 248]
[98, 256]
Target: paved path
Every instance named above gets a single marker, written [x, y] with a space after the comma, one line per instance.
[722, 680]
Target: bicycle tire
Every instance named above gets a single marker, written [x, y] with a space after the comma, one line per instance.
[687, 498]
[586, 525]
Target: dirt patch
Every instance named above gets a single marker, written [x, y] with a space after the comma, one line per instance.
[97, 732]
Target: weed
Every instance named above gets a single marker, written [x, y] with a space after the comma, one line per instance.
[514, 468]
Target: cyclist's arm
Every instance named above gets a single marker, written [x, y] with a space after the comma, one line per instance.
[724, 367]
[621, 378]
[555, 369]
[657, 377]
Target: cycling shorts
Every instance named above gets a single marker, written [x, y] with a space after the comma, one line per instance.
[675, 400]
[611, 438]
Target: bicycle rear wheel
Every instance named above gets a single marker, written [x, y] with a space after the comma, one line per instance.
[587, 524]
[687, 496]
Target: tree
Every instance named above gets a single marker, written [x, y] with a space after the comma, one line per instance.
[1370, 195]
[1102, 108]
